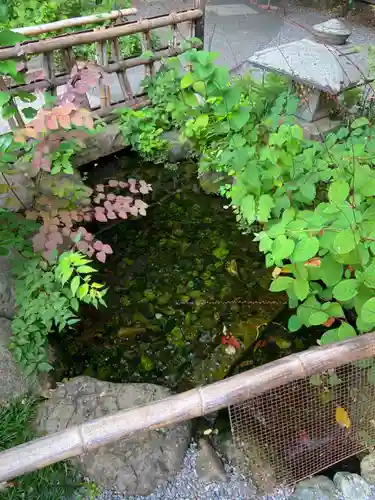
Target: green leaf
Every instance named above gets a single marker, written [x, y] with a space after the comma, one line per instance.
[4, 98]
[330, 337]
[75, 284]
[360, 122]
[45, 367]
[305, 249]
[345, 290]
[344, 242]
[333, 309]
[294, 323]
[315, 380]
[239, 119]
[346, 331]
[282, 247]
[368, 311]
[281, 283]
[8, 37]
[85, 270]
[318, 318]
[83, 290]
[29, 112]
[301, 288]
[248, 208]
[264, 207]
[187, 80]
[331, 270]
[338, 191]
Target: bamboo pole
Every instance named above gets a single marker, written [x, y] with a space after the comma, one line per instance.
[74, 21]
[63, 42]
[88, 436]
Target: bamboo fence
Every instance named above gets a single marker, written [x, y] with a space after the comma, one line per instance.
[77, 440]
[108, 55]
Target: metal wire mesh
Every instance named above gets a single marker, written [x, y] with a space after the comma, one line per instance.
[306, 426]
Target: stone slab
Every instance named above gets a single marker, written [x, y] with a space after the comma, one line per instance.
[226, 10]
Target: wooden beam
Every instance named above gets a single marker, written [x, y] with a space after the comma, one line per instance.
[88, 436]
[63, 42]
[75, 21]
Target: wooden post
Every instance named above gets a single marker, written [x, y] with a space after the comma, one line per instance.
[199, 23]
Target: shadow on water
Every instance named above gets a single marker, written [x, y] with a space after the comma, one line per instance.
[178, 277]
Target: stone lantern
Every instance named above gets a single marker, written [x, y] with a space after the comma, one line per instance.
[326, 65]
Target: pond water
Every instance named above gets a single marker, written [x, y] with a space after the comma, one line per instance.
[179, 279]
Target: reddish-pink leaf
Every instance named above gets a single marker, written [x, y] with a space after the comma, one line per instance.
[38, 242]
[89, 236]
[77, 119]
[107, 249]
[101, 256]
[82, 231]
[52, 228]
[79, 218]
[82, 246]
[64, 121]
[98, 245]
[87, 217]
[122, 214]
[65, 231]
[132, 186]
[111, 214]
[99, 188]
[90, 251]
[51, 122]
[113, 183]
[56, 237]
[108, 205]
[100, 217]
[111, 197]
[50, 244]
[141, 206]
[144, 188]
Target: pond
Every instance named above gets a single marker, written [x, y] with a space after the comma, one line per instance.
[188, 293]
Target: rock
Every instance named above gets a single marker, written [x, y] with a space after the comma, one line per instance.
[352, 486]
[7, 297]
[368, 468]
[178, 150]
[332, 32]
[13, 383]
[135, 466]
[223, 442]
[23, 187]
[209, 467]
[316, 488]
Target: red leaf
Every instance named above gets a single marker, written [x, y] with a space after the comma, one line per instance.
[87, 217]
[51, 123]
[111, 215]
[329, 322]
[98, 245]
[101, 256]
[38, 242]
[230, 340]
[111, 197]
[122, 214]
[132, 186]
[107, 249]
[90, 251]
[144, 188]
[100, 217]
[89, 236]
[82, 246]
[108, 205]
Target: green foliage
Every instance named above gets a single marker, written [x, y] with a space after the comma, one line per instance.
[143, 130]
[312, 201]
[48, 296]
[55, 482]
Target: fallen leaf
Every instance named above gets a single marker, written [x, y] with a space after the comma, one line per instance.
[342, 417]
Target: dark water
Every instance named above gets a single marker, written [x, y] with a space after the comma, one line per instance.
[177, 277]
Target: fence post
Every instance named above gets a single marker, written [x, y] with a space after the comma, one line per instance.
[199, 23]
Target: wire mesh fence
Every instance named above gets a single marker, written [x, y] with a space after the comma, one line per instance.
[305, 426]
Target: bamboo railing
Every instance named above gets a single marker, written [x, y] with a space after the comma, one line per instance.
[108, 55]
[77, 440]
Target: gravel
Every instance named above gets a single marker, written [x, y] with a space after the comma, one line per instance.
[187, 486]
